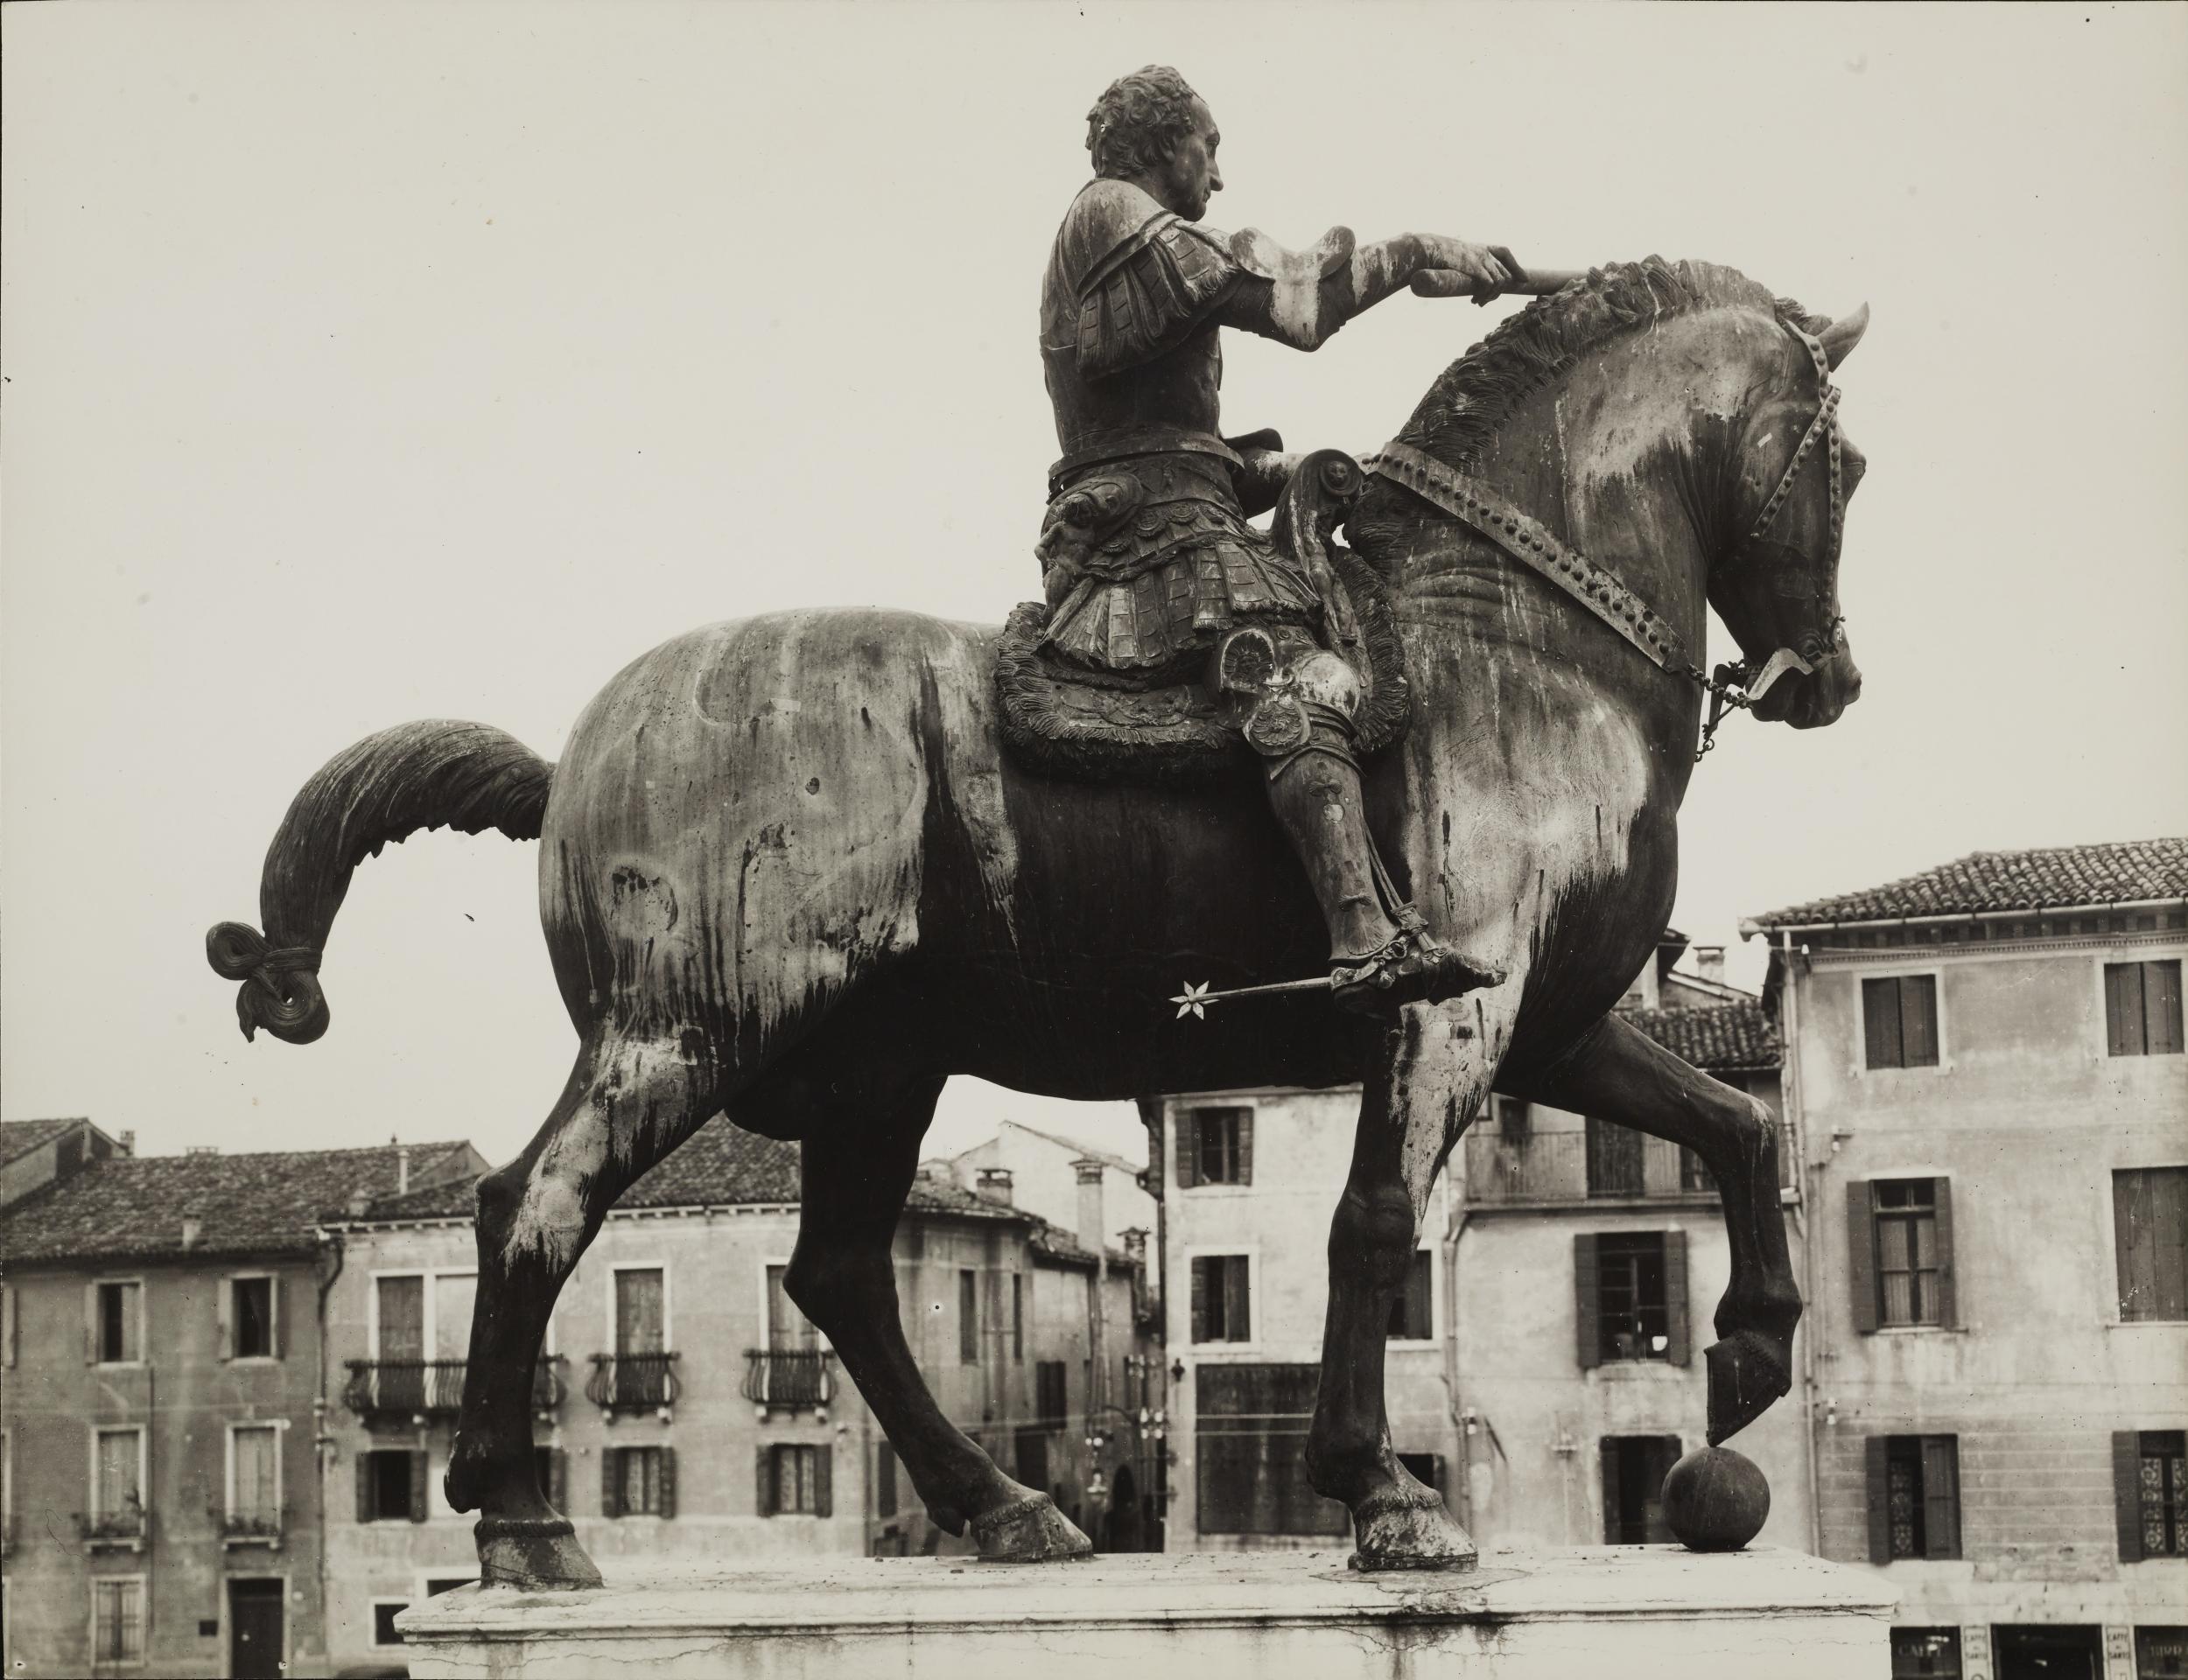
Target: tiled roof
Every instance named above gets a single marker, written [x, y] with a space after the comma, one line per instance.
[1086, 1152]
[2117, 871]
[1737, 1037]
[260, 1205]
[21, 1137]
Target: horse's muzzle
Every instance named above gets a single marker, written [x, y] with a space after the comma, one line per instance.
[1815, 698]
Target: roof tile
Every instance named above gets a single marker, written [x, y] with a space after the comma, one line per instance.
[2117, 871]
[1738, 1038]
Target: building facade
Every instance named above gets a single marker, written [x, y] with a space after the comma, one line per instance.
[1985, 1060]
[34, 1153]
[164, 1384]
[685, 1410]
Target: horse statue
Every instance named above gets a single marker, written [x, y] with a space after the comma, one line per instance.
[789, 873]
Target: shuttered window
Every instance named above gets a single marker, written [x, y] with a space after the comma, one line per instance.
[1633, 1471]
[1214, 1146]
[968, 1317]
[2149, 1487]
[1250, 1442]
[638, 1481]
[119, 1488]
[550, 1466]
[1031, 1449]
[118, 1323]
[1630, 1296]
[251, 1329]
[1914, 1496]
[1899, 1020]
[2142, 1008]
[1411, 1318]
[1050, 1403]
[1899, 1251]
[1614, 1160]
[1223, 1305]
[392, 1485]
[117, 1620]
[256, 1495]
[2150, 1228]
[795, 1481]
[641, 1317]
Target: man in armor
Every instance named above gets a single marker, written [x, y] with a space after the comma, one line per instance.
[1152, 570]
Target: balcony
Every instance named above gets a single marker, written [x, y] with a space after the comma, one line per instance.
[122, 1530]
[402, 1390]
[632, 1383]
[789, 1379]
[1560, 1168]
[260, 1528]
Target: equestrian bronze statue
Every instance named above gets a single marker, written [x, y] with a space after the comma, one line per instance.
[804, 867]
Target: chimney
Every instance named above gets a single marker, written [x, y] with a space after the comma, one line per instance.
[1710, 963]
[126, 1142]
[358, 1202]
[189, 1229]
[993, 1184]
[1091, 1233]
[200, 1149]
[402, 1171]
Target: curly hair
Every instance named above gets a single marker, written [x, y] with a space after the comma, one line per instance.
[1138, 121]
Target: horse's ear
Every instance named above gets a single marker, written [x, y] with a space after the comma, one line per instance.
[1840, 338]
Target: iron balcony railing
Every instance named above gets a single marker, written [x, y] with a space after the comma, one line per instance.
[788, 1376]
[432, 1387]
[1561, 1166]
[633, 1382]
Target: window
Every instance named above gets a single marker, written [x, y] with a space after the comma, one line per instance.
[1926, 1654]
[884, 1479]
[788, 1330]
[1694, 1176]
[117, 1620]
[2142, 1008]
[1614, 1160]
[550, 1466]
[384, 1611]
[117, 1325]
[1914, 1496]
[1426, 1468]
[1634, 1467]
[1249, 1438]
[1031, 1467]
[2161, 1653]
[251, 1318]
[2150, 1228]
[1630, 1291]
[117, 1488]
[1515, 1120]
[7, 1326]
[1899, 1253]
[2149, 1486]
[1018, 1318]
[642, 1325]
[968, 1317]
[254, 1484]
[1050, 1405]
[794, 1482]
[1222, 1303]
[391, 1485]
[638, 1481]
[1899, 1020]
[1214, 1146]
[1411, 1320]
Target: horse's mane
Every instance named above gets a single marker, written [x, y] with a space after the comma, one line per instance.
[1476, 394]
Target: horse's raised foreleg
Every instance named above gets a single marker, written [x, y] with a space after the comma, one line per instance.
[625, 1106]
[858, 1168]
[1618, 1073]
[1435, 1069]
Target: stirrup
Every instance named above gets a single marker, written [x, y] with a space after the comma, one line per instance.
[1414, 967]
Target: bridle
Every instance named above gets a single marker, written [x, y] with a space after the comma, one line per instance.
[1735, 685]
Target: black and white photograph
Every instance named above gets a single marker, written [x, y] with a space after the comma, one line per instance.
[873, 841]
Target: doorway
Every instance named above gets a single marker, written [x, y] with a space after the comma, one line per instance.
[257, 1642]
[2027, 1652]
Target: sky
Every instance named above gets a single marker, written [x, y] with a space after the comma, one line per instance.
[366, 363]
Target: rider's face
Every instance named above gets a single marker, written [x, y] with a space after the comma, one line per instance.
[1192, 174]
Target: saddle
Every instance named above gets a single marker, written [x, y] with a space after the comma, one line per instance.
[1183, 725]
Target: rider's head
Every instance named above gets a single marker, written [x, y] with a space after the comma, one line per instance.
[1151, 127]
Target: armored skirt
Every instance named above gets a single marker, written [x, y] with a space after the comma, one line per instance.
[1179, 567]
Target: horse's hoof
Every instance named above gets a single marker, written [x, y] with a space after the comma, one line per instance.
[1028, 1531]
[1747, 1375]
[538, 1554]
[1399, 1532]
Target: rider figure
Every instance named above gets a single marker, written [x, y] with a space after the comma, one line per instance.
[1150, 560]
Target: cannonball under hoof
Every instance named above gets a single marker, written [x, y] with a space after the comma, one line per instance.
[1715, 1500]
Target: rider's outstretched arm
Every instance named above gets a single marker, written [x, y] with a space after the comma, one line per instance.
[1303, 298]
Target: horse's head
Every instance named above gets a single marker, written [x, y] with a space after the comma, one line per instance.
[1777, 586]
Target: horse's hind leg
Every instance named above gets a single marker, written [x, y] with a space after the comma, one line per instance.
[627, 1105]
[859, 1164]
[1619, 1073]
[1435, 1067]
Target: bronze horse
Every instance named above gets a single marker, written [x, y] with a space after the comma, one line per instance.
[787, 873]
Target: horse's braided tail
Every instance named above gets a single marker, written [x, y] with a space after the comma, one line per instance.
[437, 773]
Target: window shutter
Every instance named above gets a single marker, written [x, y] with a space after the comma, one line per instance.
[1941, 1495]
[91, 1324]
[1607, 1458]
[1876, 1468]
[2127, 1492]
[1861, 1253]
[1918, 1020]
[1237, 1303]
[420, 1486]
[1200, 1300]
[1880, 1023]
[1587, 1301]
[763, 1501]
[611, 1484]
[1188, 1148]
[224, 1316]
[1675, 1296]
[2167, 1236]
[1245, 1147]
[277, 1320]
[2123, 1009]
[7, 1326]
[1948, 1284]
[668, 1481]
[365, 1512]
[823, 1464]
[558, 1487]
[2161, 1008]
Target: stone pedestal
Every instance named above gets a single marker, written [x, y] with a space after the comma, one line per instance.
[1524, 1615]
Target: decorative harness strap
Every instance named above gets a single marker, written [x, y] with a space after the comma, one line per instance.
[1473, 504]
